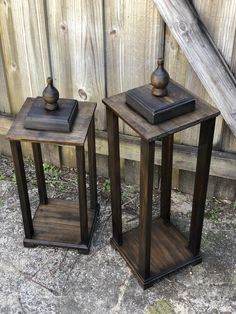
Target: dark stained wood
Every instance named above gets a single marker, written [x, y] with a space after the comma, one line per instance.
[160, 79]
[154, 250]
[222, 163]
[22, 187]
[80, 160]
[58, 120]
[114, 173]
[76, 137]
[150, 132]
[38, 161]
[201, 181]
[57, 223]
[146, 189]
[159, 109]
[166, 176]
[169, 251]
[92, 166]
[50, 96]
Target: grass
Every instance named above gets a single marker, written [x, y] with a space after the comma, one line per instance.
[2, 177]
[52, 175]
[13, 178]
[214, 213]
[106, 186]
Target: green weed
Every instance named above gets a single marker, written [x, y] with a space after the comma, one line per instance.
[214, 213]
[13, 178]
[106, 186]
[52, 174]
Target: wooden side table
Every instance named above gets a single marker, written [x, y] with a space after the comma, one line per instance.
[156, 248]
[57, 222]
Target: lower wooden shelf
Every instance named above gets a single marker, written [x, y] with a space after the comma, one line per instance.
[58, 224]
[169, 251]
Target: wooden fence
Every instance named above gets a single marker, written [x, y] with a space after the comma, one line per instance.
[97, 48]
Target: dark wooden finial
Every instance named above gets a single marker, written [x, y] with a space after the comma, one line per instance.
[160, 79]
[50, 96]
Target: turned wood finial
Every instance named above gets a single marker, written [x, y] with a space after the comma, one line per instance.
[160, 79]
[50, 96]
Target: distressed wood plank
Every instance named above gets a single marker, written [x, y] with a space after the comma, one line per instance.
[134, 35]
[4, 99]
[202, 54]
[25, 49]
[219, 18]
[25, 53]
[180, 70]
[5, 123]
[77, 51]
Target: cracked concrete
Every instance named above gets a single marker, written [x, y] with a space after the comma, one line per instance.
[52, 280]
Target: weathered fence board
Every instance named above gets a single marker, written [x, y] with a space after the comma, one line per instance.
[77, 50]
[24, 46]
[203, 55]
[99, 48]
[4, 98]
[181, 71]
[134, 40]
[25, 52]
[219, 18]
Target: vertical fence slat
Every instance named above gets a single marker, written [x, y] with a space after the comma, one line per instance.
[4, 99]
[77, 50]
[219, 19]
[25, 52]
[24, 46]
[134, 40]
[77, 54]
[221, 25]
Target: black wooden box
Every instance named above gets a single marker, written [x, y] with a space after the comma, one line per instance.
[159, 109]
[60, 120]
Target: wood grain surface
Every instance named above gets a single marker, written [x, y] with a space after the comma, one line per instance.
[134, 38]
[201, 54]
[151, 132]
[76, 137]
[58, 222]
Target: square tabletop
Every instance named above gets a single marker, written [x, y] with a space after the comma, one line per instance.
[150, 132]
[76, 137]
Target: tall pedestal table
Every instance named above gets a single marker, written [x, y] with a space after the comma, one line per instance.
[156, 247]
[57, 222]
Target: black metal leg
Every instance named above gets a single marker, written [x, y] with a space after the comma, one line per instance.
[201, 181]
[80, 158]
[145, 220]
[22, 188]
[39, 173]
[114, 173]
[166, 176]
[92, 166]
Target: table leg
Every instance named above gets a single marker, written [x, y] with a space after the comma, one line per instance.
[114, 173]
[201, 181]
[39, 173]
[80, 159]
[22, 188]
[166, 176]
[145, 218]
[92, 166]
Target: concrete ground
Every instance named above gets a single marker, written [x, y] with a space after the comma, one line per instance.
[48, 280]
